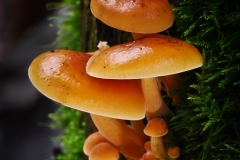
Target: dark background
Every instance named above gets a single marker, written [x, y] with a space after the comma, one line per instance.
[25, 32]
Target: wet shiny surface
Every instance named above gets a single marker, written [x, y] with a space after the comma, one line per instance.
[151, 56]
[140, 16]
[61, 76]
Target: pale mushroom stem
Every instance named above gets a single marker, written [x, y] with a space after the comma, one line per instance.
[157, 148]
[155, 106]
[138, 125]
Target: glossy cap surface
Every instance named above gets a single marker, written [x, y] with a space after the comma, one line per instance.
[151, 56]
[139, 16]
[60, 75]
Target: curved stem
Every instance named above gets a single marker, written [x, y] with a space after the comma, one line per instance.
[128, 141]
[155, 106]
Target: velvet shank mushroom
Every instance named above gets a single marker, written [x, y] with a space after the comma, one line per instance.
[128, 141]
[92, 140]
[156, 128]
[146, 58]
[61, 76]
[104, 151]
[138, 16]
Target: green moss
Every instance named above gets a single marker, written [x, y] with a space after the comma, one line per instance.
[69, 27]
[73, 136]
[208, 116]
[69, 120]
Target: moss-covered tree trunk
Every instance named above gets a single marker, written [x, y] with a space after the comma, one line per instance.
[93, 31]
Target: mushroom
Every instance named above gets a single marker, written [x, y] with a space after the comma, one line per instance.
[128, 141]
[104, 151]
[147, 146]
[61, 76]
[139, 16]
[92, 140]
[156, 128]
[173, 152]
[146, 58]
[148, 156]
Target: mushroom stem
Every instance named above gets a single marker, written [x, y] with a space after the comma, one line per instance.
[128, 141]
[155, 106]
[157, 148]
[138, 125]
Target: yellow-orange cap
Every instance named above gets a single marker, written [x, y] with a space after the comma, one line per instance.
[151, 56]
[60, 75]
[156, 127]
[139, 16]
[104, 151]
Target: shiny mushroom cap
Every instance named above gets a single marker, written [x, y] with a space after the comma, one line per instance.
[139, 16]
[104, 151]
[151, 56]
[173, 152]
[92, 140]
[60, 75]
[156, 127]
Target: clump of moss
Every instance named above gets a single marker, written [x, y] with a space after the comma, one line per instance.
[70, 121]
[207, 118]
[69, 26]
[73, 137]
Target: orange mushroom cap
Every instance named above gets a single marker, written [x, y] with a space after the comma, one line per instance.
[104, 151]
[147, 146]
[173, 152]
[61, 76]
[156, 127]
[150, 56]
[148, 156]
[139, 16]
[92, 140]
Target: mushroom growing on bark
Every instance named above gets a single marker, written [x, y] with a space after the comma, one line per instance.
[146, 58]
[128, 141]
[61, 76]
[104, 151]
[137, 16]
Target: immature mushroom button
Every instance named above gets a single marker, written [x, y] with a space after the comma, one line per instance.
[139, 16]
[148, 156]
[104, 151]
[61, 76]
[156, 128]
[92, 140]
[173, 152]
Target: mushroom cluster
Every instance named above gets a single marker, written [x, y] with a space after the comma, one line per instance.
[122, 82]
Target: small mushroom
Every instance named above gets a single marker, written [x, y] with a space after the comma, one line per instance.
[104, 151]
[128, 141]
[173, 152]
[148, 156]
[60, 75]
[156, 128]
[92, 140]
[139, 16]
[147, 146]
